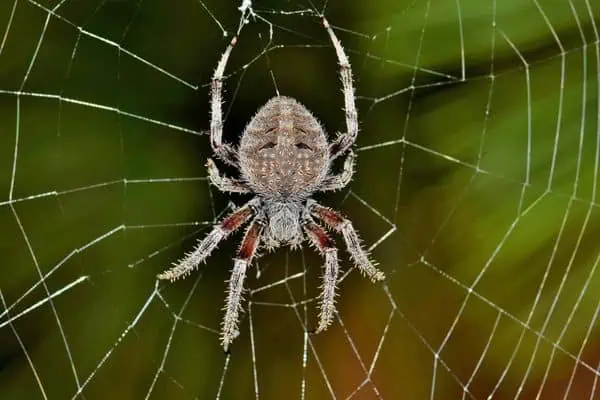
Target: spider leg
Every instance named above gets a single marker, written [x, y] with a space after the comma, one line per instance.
[339, 181]
[219, 232]
[224, 151]
[336, 221]
[318, 236]
[236, 282]
[346, 140]
[223, 183]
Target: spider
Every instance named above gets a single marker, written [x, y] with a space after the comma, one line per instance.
[283, 158]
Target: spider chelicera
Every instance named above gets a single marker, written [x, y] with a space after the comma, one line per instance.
[283, 158]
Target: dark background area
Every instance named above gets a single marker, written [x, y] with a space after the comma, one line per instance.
[478, 150]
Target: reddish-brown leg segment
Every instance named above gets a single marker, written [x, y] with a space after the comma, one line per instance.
[210, 242]
[236, 283]
[319, 237]
[336, 221]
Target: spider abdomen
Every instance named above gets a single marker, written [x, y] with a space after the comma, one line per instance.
[283, 151]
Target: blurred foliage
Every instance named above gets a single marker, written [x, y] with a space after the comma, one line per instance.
[490, 173]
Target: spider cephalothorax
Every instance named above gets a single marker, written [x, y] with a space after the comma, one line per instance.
[283, 158]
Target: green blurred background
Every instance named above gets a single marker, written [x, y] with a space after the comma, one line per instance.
[479, 144]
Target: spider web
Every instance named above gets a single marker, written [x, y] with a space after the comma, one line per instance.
[476, 191]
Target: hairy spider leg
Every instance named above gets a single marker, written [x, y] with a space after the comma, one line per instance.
[346, 140]
[341, 180]
[224, 151]
[219, 232]
[224, 183]
[326, 246]
[336, 221]
[236, 282]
